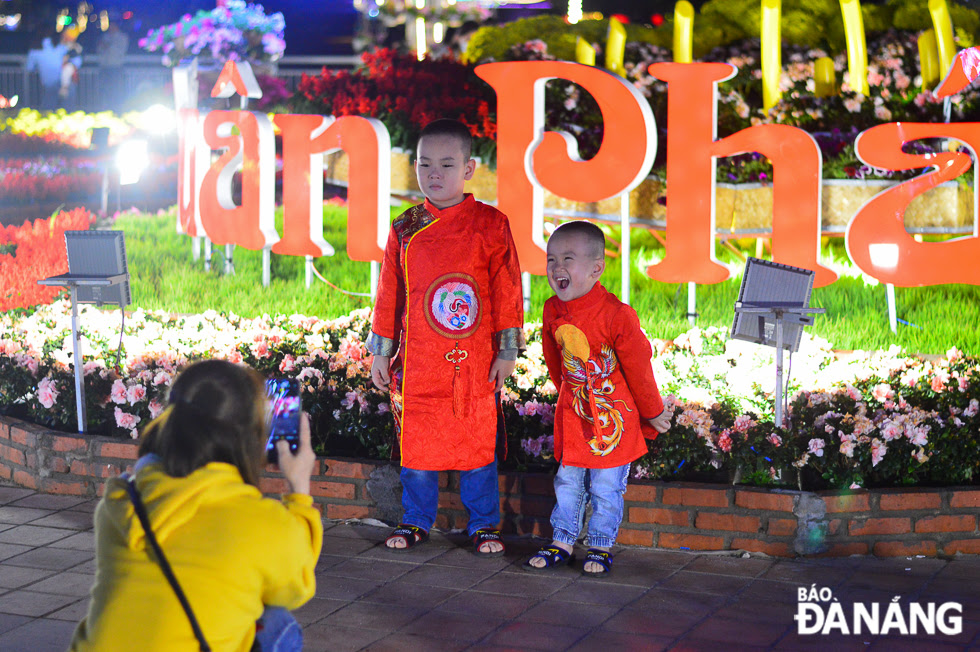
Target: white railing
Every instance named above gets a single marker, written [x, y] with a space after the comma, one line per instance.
[143, 76]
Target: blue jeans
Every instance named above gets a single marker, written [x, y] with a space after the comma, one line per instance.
[279, 632]
[574, 488]
[479, 490]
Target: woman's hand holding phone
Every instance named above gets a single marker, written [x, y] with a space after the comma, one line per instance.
[298, 466]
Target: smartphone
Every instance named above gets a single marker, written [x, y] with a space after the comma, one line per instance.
[284, 412]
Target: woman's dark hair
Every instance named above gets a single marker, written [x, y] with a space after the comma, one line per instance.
[216, 413]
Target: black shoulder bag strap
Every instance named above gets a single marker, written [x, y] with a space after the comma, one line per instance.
[134, 496]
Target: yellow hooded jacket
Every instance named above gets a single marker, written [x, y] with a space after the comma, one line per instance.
[232, 551]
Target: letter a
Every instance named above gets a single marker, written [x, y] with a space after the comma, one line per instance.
[881, 221]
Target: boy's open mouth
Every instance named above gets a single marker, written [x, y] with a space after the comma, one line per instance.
[561, 282]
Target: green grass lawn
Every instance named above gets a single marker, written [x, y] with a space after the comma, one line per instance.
[165, 277]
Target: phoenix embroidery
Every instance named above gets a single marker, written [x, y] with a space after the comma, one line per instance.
[592, 390]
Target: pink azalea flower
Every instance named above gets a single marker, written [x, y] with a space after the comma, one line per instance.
[882, 392]
[118, 392]
[725, 442]
[816, 447]
[47, 393]
[135, 394]
[126, 420]
[775, 439]
[878, 450]
[156, 408]
[972, 409]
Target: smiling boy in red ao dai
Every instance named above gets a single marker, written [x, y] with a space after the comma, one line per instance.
[599, 360]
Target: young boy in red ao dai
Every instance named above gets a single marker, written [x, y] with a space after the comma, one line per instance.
[599, 360]
[450, 305]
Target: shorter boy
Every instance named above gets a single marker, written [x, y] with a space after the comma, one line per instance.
[599, 360]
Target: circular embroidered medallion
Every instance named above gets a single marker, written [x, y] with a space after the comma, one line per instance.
[452, 305]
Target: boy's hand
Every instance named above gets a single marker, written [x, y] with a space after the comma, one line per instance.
[499, 371]
[379, 371]
[661, 423]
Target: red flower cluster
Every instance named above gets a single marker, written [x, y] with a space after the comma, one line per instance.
[34, 251]
[405, 94]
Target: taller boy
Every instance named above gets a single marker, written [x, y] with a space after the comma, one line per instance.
[450, 305]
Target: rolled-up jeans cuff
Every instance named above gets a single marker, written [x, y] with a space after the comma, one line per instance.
[561, 536]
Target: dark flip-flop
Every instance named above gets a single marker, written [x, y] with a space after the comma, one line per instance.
[411, 534]
[600, 557]
[482, 536]
[554, 557]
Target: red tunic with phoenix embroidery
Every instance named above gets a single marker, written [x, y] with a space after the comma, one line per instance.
[449, 298]
[599, 360]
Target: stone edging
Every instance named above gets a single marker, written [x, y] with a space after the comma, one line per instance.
[679, 515]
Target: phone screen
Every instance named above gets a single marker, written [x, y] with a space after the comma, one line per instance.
[284, 412]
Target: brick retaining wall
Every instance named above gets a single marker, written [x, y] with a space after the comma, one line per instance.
[785, 523]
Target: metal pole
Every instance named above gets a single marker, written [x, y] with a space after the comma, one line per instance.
[309, 271]
[267, 266]
[229, 260]
[375, 274]
[624, 221]
[76, 345]
[196, 247]
[779, 369]
[526, 289]
[207, 254]
[692, 303]
[892, 315]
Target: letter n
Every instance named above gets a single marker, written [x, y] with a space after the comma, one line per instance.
[305, 139]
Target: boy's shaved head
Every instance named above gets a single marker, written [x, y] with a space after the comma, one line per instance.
[452, 128]
[589, 232]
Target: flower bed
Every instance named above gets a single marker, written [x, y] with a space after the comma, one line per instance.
[678, 515]
[862, 419]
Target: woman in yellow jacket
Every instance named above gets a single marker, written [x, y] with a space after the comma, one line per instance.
[233, 552]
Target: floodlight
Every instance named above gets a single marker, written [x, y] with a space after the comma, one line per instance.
[160, 119]
[97, 273]
[95, 254]
[772, 309]
[132, 159]
[768, 285]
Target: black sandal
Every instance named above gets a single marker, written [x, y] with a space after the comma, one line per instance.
[600, 557]
[553, 556]
[482, 536]
[412, 536]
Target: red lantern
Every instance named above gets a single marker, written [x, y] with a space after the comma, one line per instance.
[657, 20]
[621, 18]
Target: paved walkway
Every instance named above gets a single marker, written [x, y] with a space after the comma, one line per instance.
[440, 597]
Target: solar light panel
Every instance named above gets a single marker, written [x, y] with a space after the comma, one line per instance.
[766, 284]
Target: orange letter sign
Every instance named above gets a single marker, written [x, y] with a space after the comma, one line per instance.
[691, 152]
[529, 159]
[305, 139]
[251, 225]
[877, 241]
